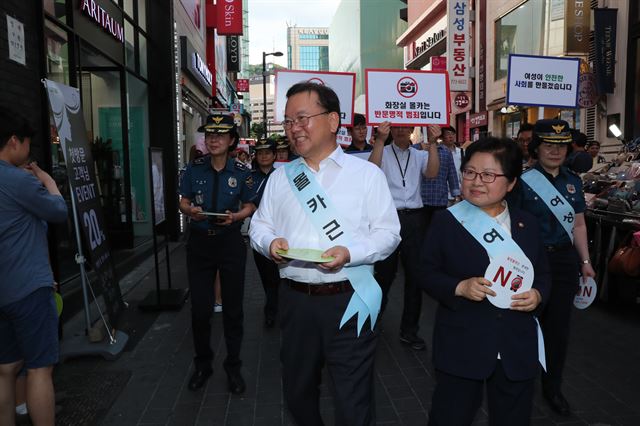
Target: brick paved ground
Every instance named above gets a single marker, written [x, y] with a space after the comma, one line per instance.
[602, 380]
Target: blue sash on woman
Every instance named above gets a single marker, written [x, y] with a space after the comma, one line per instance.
[496, 241]
[555, 201]
[318, 207]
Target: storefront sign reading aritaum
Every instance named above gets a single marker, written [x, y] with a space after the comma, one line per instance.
[202, 68]
[101, 17]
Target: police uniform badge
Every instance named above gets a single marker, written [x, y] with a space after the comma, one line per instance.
[232, 182]
[571, 189]
[199, 198]
[249, 182]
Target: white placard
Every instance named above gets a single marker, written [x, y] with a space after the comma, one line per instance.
[407, 98]
[543, 81]
[458, 44]
[509, 275]
[15, 37]
[343, 137]
[343, 83]
[586, 293]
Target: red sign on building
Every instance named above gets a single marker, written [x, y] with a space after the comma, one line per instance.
[229, 17]
[242, 85]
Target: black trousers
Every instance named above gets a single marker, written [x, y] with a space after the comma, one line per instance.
[310, 339]
[206, 255]
[428, 213]
[456, 400]
[556, 317]
[412, 232]
[270, 277]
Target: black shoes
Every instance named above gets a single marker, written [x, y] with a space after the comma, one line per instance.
[235, 380]
[558, 403]
[416, 342]
[199, 378]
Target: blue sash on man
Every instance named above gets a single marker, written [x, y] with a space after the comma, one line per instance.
[554, 200]
[496, 241]
[318, 207]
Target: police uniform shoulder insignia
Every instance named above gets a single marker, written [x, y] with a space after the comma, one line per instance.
[249, 181]
[201, 160]
[232, 182]
[240, 166]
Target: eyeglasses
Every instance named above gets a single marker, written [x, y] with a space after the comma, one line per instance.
[301, 121]
[486, 177]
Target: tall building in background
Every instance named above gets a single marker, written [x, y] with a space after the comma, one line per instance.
[308, 48]
[257, 105]
[363, 35]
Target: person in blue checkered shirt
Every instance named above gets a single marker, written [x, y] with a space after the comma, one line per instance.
[436, 191]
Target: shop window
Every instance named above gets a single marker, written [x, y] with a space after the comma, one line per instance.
[137, 115]
[56, 8]
[102, 109]
[128, 7]
[57, 66]
[142, 54]
[142, 14]
[129, 45]
[57, 45]
[520, 31]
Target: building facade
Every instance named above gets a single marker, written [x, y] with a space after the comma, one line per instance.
[308, 48]
[363, 35]
[144, 82]
[257, 102]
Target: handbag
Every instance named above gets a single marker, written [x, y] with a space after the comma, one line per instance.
[626, 260]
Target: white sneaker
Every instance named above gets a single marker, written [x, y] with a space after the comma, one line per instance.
[217, 307]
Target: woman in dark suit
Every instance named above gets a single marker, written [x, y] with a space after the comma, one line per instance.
[474, 342]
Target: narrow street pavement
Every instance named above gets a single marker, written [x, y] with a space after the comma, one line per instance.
[147, 384]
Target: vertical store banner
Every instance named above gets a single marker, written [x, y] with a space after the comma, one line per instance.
[67, 113]
[229, 17]
[605, 40]
[233, 54]
[407, 98]
[577, 23]
[458, 44]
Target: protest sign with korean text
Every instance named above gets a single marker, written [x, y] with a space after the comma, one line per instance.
[343, 83]
[543, 81]
[407, 98]
[458, 44]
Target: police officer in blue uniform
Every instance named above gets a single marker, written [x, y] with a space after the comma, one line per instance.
[268, 270]
[216, 195]
[550, 145]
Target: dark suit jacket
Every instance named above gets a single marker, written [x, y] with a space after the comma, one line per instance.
[469, 335]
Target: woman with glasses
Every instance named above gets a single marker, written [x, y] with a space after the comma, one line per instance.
[553, 194]
[475, 342]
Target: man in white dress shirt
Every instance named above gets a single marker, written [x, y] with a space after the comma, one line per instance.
[404, 168]
[314, 296]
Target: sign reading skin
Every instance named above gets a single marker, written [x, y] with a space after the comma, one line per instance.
[343, 83]
[543, 81]
[407, 98]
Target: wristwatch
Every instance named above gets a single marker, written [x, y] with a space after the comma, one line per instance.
[586, 261]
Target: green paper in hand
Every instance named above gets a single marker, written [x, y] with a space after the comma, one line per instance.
[307, 255]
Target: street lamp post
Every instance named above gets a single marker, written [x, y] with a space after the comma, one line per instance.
[264, 88]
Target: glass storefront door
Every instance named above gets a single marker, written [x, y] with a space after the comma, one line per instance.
[101, 90]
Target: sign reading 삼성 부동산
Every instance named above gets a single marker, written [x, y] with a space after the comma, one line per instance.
[543, 81]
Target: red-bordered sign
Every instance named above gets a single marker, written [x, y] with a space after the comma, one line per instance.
[407, 98]
[343, 83]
